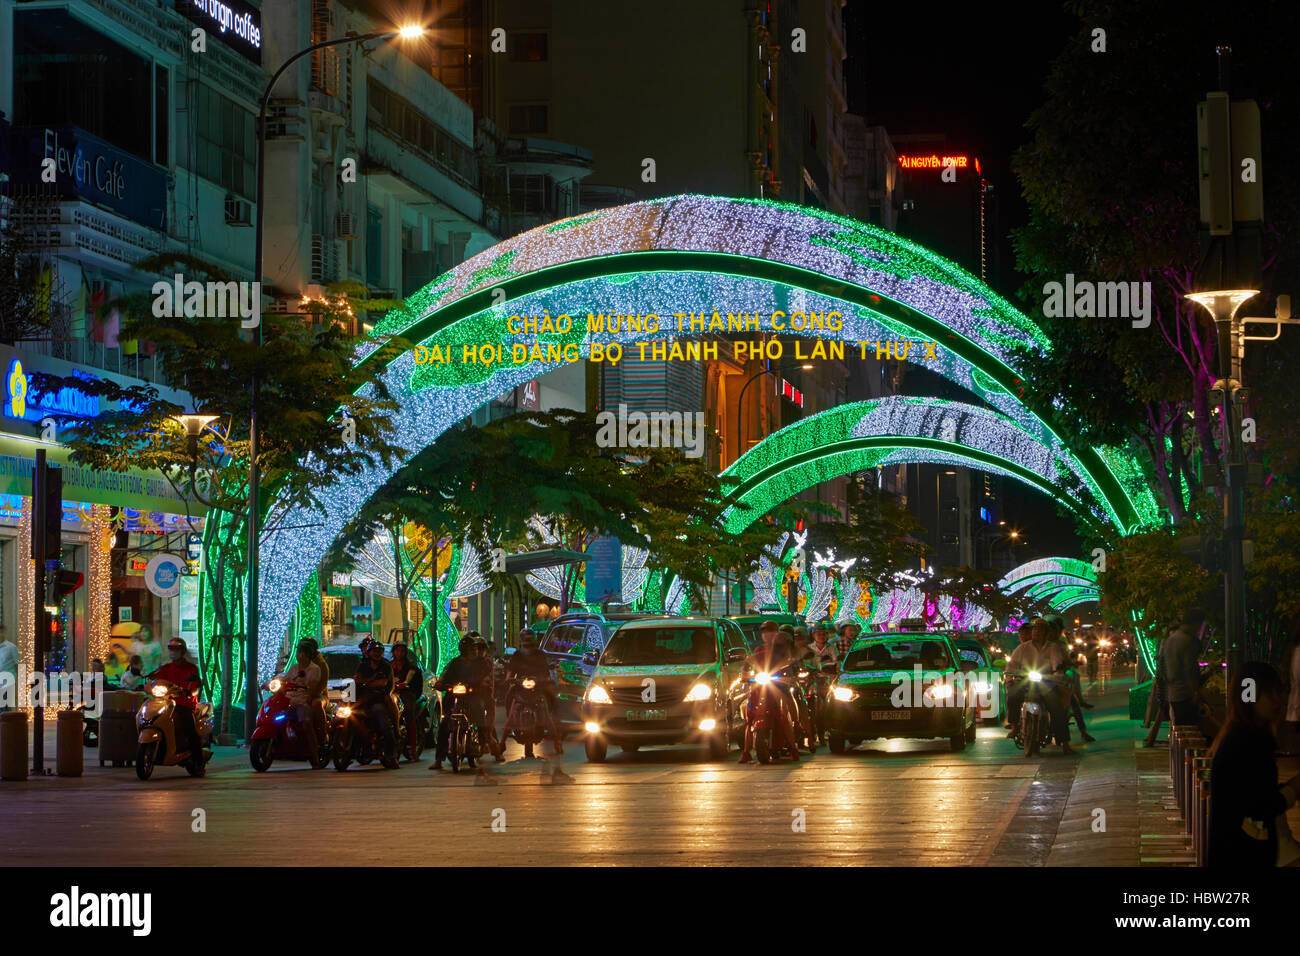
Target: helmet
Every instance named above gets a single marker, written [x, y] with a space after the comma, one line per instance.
[309, 645]
[402, 645]
[480, 641]
[176, 642]
[466, 644]
[367, 644]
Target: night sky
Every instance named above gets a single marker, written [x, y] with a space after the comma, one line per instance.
[974, 72]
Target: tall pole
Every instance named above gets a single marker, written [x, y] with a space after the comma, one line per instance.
[254, 476]
[39, 517]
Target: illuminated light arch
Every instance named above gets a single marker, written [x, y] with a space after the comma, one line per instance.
[682, 254]
[897, 429]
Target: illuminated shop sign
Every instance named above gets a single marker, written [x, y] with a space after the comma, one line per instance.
[933, 162]
[76, 164]
[237, 24]
[20, 401]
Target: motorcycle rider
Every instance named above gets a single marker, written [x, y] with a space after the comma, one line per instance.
[374, 680]
[184, 676]
[408, 679]
[318, 691]
[1056, 634]
[484, 650]
[1038, 654]
[822, 650]
[770, 657]
[303, 675]
[528, 661]
[470, 669]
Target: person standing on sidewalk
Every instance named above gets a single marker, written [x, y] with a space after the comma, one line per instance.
[1158, 703]
[1178, 665]
[1247, 806]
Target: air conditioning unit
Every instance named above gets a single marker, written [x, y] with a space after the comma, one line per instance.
[239, 212]
[345, 225]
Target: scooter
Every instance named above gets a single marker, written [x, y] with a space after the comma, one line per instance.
[528, 714]
[156, 719]
[811, 693]
[763, 714]
[1034, 731]
[462, 735]
[278, 733]
[353, 738]
[414, 725]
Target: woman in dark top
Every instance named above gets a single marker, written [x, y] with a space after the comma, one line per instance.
[1245, 798]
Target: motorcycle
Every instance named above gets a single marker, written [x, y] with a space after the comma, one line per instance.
[1034, 730]
[353, 737]
[156, 719]
[415, 724]
[278, 733]
[462, 735]
[763, 713]
[528, 714]
[813, 684]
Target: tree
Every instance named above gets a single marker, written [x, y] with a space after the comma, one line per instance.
[880, 533]
[309, 389]
[24, 297]
[1111, 183]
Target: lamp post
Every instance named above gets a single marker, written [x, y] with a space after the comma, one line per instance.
[254, 478]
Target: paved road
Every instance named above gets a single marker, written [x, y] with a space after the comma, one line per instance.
[889, 803]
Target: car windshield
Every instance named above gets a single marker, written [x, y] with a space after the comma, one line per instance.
[642, 646]
[898, 655]
[972, 653]
[341, 665]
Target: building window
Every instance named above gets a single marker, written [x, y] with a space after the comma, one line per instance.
[528, 119]
[226, 143]
[405, 122]
[529, 48]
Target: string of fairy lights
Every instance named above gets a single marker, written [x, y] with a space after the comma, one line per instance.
[900, 275]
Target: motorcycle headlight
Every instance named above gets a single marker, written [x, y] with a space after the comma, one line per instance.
[344, 711]
[159, 690]
[763, 677]
[844, 694]
[1035, 676]
[698, 692]
[274, 686]
[458, 689]
[803, 674]
[596, 694]
[981, 687]
[528, 683]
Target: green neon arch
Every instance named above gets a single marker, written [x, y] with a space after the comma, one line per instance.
[680, 254]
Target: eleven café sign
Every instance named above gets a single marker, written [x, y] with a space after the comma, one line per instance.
[237, 24]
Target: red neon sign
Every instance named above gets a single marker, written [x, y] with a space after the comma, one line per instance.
[933, 162]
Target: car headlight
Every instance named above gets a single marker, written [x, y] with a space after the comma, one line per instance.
[596, 694]
[1035, 676]
[159, 690]
[844, 694]
[763, 677]
[274, 686]
[528, 683]
[698, 692]
[939, 691]
[344, 711]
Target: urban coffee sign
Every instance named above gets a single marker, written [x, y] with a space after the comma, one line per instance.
[237, 24]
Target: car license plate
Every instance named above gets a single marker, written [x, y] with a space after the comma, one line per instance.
[647, 715]
[891, 715]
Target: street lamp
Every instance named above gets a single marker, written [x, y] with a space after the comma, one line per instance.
[740, 399]
[254, 478]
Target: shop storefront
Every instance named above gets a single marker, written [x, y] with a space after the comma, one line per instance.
[113, 525]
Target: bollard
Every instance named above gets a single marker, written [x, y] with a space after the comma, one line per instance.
[69, 748]
[1193, 760]
[13, 745]
[1202, 839]
[1181, 736]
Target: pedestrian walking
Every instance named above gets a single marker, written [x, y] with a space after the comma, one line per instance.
[1158, 702]
[1179, 664]
[1248, 827]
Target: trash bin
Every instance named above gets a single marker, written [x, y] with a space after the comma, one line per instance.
[13, 745]
[68, 744]
[117, 735]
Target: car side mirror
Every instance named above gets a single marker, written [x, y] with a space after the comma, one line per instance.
[589, 658]
[1000, 663]
[735, 654]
